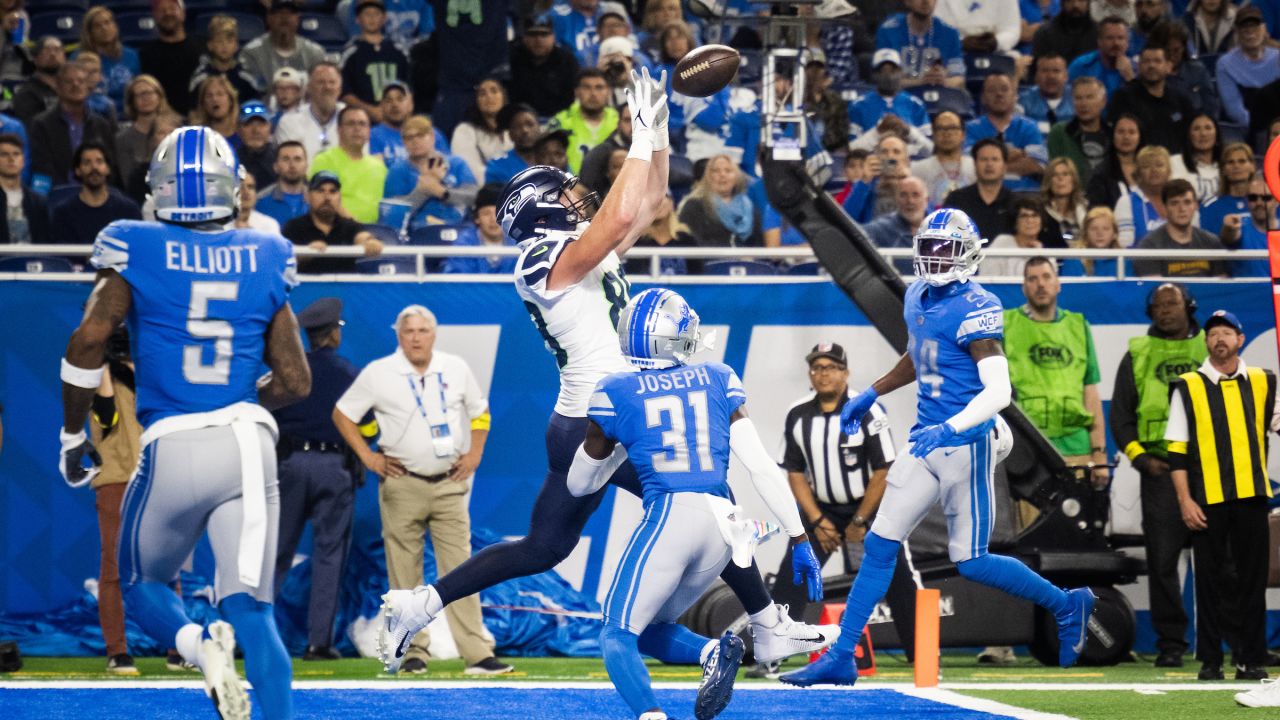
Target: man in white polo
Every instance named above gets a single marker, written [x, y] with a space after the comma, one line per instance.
[434, 421]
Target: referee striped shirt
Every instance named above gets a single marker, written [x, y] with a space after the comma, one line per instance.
[837, 466]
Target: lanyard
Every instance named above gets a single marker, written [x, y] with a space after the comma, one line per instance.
[417, 397]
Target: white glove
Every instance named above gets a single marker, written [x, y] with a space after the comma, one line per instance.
[647, 105]
[75, 446]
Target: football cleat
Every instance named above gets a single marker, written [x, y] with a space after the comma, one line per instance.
[1267, 694]
[402, 618]
[718, 674]
[833, 668]
[786, 637]
[1073, 626]
[218, 664]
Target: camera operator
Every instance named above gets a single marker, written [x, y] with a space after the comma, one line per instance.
[617, 60]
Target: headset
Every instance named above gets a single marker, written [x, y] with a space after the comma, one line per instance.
[1189, 300]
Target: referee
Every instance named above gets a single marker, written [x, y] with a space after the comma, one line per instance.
[838, 481]
[1219, 416]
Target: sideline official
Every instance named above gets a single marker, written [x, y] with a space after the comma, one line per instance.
[1219, 417]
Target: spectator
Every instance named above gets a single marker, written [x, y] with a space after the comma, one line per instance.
[986, 27]
[827, 112]
[1100, 10]
[520, 123]
[575, 25]
[856, 171]
[27, 211]
[40, 92]
[81, 216]
[486, 233]
[385, 137]
[286, 93]
[222, 58]
[407, 20]
[589, 120]
[1115, 175]
[97, 100]
[1028, 213]
[1047, 102]
[280, 47]
[57, 132]
[99, 34]
[247, 217]
[918, 144]
[1084, 139]
[552, 148]
[616, 158]
[362, 176]
[987, 202]
[1026, 152]
[834, 40]
[286, 198]
[658, 15]
[426, 462]
[1141, 209]
[217, 106]
[542, 70]
[616, 59]
[1100, 233]
[948, 168]
[315, 122]
[1211, 26]
[252, 143]
[326, 223]
[718, 211]
[1186, 73]
[371, 62]
[1220, 215]
[1063, 197]
[674, 42]
[319, 474]
[929, 48]
[1253, 64]
[666, 230]
[1253, 233]
[896, 229]
[144, 101]
[439, 187]
[136, 185]
[878, 197]
[173, 56]
[1161, 109]
[1071, 33]
[597, 165]
[1180, 233]
[886, 72]
[480, 137]
[1148, 14]
[1110, 62]
[1059, 394]
[1198, 163]
[470, 50]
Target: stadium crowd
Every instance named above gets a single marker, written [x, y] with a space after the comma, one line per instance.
[1066, 123]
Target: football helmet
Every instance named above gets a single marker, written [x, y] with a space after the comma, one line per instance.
[658, 329]
[533, 202]
[947, 247]
[195, 177]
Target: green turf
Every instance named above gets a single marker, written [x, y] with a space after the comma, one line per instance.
[1129, 705]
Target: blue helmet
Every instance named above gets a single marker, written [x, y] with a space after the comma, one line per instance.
[533, 202]
[195, 177]
[948, 247]
[658, 329]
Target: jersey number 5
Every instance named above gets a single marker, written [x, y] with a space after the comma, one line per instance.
[200, 325]
[666, 411]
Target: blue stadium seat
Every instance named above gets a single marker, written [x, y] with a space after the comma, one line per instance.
[66, 5]
[248, 25]
[978, 67]
[811, 268]
[939, 98]
[751, 71]
[35, 264]
[386, 235]
[324, 29]
[435, 235]
[136, 28]
[388, 265]
[738, 268]
[680, 174]
[64, 25]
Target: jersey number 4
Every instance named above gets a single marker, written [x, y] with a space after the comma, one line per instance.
[668, 413]
[201, 326]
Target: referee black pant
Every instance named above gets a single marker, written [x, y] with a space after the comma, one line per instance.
[1165, 536]
[1231, 582]
[901, 596]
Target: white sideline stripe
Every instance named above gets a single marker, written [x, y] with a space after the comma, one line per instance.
[390, 684]
[947, 697]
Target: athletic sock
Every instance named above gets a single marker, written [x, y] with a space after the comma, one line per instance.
[187, 641]
[748, 585]
[266, 663]
[766, 618]
[431, 603]
[1016, 579]
[627, 670]
[878, 560]
[157, 609]
[673, 643]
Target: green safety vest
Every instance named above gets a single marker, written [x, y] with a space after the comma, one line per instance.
[1047, 366]
[1156, 363]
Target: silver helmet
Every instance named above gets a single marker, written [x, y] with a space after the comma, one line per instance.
[658, 329]
[947, 246]
[195, 177]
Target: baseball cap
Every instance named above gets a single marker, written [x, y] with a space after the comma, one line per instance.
[322, 313]
[831, 351]
[553, 133]
[400, 85]
[1223, 317]
[884, 55]
[322, 177]
[254, 110]
[537, 24]
[277, 5]
[289, 75]
[617, 45]
[487, 196]
[362, 4]
[813, 56]
[1247, 14]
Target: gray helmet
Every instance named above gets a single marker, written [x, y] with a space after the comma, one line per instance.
[658, 329]
[195, 177]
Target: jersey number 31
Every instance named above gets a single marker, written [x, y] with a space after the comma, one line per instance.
[668, 412]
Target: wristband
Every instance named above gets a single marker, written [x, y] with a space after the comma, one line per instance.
[81, 378]
[642, 146]
[661, 139]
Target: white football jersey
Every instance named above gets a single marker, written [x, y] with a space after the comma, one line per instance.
[578, 323]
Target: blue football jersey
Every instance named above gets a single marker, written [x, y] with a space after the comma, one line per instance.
[941, 324]
[202, 302]
[674, 424]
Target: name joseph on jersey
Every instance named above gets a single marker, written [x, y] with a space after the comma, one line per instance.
[692, 377]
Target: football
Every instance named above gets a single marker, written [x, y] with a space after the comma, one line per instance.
[706, 70]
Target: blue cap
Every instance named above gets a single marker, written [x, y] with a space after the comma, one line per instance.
[254, 109]
[322, 313]
[322, 177]
[1222, 317]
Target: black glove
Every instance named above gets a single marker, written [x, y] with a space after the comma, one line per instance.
[75, 447]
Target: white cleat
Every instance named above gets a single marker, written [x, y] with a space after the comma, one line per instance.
[1265, 695]
[218, 664]
[786, 637]
[402, 618]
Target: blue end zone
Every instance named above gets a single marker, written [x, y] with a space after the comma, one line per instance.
[476, 704]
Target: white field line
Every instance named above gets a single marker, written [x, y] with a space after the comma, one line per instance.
[394, 685]
[954, 699]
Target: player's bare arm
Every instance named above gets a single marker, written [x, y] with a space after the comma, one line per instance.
[980, 350]
[903, 373]
[86, 350]
[290, 375]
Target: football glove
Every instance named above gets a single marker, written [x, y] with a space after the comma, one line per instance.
[852, 412]
[647, 104]
[75, 448]
[806, 568]
[927, 439]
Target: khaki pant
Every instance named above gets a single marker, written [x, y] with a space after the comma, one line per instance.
[410, 508]
[110, 602]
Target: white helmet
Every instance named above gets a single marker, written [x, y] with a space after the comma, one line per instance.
[658, 329]
[948, 248]
[195, 177]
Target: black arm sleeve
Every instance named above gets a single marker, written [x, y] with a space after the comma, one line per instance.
[1124, 405]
